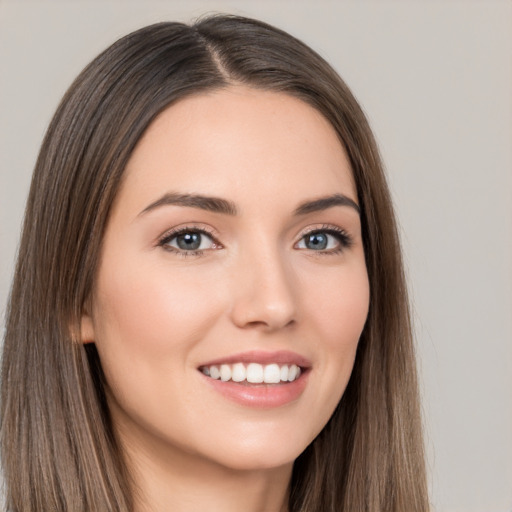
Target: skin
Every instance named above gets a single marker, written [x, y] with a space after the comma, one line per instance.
[156, 314]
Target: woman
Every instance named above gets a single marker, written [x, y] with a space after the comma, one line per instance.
[209, 307]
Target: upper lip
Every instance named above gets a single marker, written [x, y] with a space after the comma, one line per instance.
[261, 357]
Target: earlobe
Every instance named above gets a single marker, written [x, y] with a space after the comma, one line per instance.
[86, 329]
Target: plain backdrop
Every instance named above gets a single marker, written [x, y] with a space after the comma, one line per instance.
[435, 78]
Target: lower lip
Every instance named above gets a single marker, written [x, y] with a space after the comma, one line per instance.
[260, 395]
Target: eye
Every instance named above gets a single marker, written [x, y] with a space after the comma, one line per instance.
[325, 240]
[188, 241]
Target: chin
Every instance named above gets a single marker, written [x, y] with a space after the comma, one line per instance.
[259, 452]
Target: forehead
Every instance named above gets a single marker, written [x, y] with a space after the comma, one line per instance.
[241, 143]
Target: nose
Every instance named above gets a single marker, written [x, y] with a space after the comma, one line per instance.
[264, 292]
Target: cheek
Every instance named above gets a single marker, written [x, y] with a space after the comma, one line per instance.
[147, 328]
[338, 311]
[339, 304]
[151, 312]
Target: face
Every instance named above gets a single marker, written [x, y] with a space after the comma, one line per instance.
[232, 287]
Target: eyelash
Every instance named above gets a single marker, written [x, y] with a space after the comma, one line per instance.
[171, 235]
[343, 238]
[345, 241]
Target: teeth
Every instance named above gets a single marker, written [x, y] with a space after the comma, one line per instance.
[272, 374]
[253, 373]
[225, 372]
[238, 374]
[214, 372]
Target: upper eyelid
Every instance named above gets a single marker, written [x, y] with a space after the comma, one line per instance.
[209, 231]
[173, 232]
[164, 240]
[323, 228]
[345, 239]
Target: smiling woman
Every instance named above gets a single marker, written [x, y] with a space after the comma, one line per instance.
[209, 307]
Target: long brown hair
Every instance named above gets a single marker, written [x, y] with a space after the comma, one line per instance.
[59, 451]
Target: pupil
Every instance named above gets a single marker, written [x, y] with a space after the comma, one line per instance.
[189, 241]
[317, 241]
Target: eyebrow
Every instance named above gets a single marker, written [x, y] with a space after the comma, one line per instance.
[211, 204]
[218, 205]
[323, 203]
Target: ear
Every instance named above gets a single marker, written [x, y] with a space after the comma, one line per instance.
[87, 334]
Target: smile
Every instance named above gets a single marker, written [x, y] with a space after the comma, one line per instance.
[253, 373]
[257, 378]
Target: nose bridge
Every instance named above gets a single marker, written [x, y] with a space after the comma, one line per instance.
[264, 292]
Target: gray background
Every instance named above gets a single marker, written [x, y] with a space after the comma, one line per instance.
[435, 78]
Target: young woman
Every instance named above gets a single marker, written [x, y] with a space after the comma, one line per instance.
[209, 308]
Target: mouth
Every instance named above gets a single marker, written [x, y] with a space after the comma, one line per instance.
[258, 379]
